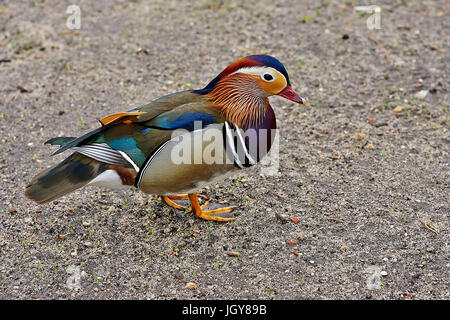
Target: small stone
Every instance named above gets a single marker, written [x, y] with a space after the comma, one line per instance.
[88, 244]
[280, 216]
[421, 94]
[12, 209]
[191, 286]
[383, 273]
[86, 224]
[398, 110]
[233, 253]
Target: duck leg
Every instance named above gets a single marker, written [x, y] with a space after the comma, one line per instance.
[169, 201]
[208, 214]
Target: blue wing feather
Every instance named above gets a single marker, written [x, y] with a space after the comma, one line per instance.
[185, 120]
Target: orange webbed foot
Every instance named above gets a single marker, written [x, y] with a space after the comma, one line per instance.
[209, 214]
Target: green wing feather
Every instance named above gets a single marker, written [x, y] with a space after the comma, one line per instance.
[140, 137]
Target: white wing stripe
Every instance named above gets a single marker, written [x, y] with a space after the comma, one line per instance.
[104, 153]
[249, 157]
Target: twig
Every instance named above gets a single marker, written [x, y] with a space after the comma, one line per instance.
[430, 227]
[378, 43]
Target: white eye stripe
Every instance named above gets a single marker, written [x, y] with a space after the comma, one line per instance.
[261, 71]
[252, 70]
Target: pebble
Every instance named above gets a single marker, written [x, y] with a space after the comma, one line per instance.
[28, 220]
[233, 253]
[421, 94]
[88, 244]
[191, 286]
[398, 110]
[383, 273]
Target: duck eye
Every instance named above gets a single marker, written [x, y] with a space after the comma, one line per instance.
[268, 77]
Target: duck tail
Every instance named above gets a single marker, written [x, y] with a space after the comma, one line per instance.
[73, 173]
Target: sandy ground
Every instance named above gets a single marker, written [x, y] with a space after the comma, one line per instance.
[363, 170]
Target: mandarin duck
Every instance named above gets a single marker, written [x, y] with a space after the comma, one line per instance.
[160, 148]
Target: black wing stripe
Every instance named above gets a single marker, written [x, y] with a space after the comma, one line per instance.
[229, 140]
[74, 142]
[235, 142]
[248, 157]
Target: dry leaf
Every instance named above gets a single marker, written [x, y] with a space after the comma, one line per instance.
[437, 48]
[295, 220]
[359, 136]
[371, 120]
[435, 125]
